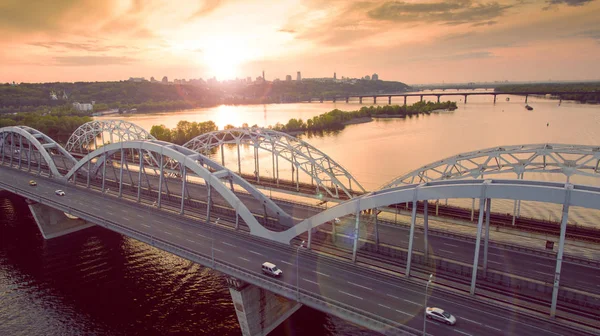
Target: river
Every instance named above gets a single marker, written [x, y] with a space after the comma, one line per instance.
[97, 282]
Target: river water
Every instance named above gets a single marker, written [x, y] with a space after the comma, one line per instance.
[96, 282]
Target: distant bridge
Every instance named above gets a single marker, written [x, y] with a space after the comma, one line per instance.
[495, 94]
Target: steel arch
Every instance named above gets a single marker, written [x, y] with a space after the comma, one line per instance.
[195, 162]
[319, 166]
[87, 134]
[548, 192]
[534, 158]
[44, 145]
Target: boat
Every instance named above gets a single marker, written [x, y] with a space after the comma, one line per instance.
[529, 108]
[507, 98]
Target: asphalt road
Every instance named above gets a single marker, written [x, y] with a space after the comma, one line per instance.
[393, 298]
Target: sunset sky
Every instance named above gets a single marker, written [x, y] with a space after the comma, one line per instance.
[410, 41]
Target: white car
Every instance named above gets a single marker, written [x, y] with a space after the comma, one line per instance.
[440, 315]
[271, 269]
[59, 192]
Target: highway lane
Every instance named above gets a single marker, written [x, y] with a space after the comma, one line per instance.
[351, 284]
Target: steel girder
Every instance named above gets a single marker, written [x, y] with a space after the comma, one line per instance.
[548, 192]
[83, 140]
[213, 174]
[535, 158]
[47, 148]
[328, 174]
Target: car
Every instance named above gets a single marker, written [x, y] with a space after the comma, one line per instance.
[272, 270]
[440, 315]
[59, 192]
[32, 183]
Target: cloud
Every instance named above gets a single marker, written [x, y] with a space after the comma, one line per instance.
[93, 46]
[207, 7]
[593, 34]
[91, 60]
[450, 12]
[484, 23]
[291, 31]
[568, 2]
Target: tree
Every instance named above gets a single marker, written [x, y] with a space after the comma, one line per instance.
[161, 132]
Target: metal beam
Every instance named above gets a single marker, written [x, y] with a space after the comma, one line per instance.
[561, 247]
[478, 241]
[411, 236]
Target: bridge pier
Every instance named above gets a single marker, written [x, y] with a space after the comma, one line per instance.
[347, 99]
[404, 100]
[374, 99]
[488, 209]
[389, 100]
[321, 99]
[495, 99]
[54, 223]
[360, 100]
[438, 98]
[466, 98]
[258, 310]
[421, 97]
[334, 99]
[526, 97]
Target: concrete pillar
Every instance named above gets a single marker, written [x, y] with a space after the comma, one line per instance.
[411, 235]
[561, 248]
[321, 99]
[258, 310]
[421, 97]
[465, 99]
[360, 100]
[404, 100]
[334, 99]
[438, 98]
[374, 99]
[526, 97]
[54, 223]
[389, 100]
[488, 209]
[494, 99]
[347, 99]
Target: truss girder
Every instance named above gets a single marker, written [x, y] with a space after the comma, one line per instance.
[83, 140]
[47, 148]
[563, 159]
[329, 175]
[548, 192]
[213, 174]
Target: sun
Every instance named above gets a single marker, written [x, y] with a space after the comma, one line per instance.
[223, 59]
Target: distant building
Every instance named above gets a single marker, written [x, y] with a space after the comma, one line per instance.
[137, 79]
[83, 107]
[165, 80]
[375, 77]
[367, 77]
[298, 76]
[334, 75]
[263, 76]
[288, 78]
[248, 79]
[152, 80]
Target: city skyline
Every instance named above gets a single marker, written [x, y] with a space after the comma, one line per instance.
[409, 41]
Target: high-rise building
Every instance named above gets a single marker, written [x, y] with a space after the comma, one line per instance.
[298, 76]
[375, 77]
[367, 77]
[288, 78]
[334, 76]
[165, 79]
[264, 75]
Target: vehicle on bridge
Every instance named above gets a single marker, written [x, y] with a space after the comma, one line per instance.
[32, 183]
[59, 192]
[440, 315]
[272, 270]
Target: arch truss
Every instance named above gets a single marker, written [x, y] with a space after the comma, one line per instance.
[25, 147]
[328, 175]
[563, 159]
[94, 134]
[125, 168]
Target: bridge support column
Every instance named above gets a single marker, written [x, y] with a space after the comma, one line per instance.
[438, 98]
[356, 232]
[411, 236]
[478, 240]
[561, 248]
[389, 100]
[466, 98]
[376, 230]
[360, 100]
[421, 97]
[347, 99]
[472, 209]
[258, 310]
[54, 223]
[374, 99]
[494, 99]
[334, 100]
[488, 209]
[321, 99]
[526, 97]
[425, 229]
[404, 100]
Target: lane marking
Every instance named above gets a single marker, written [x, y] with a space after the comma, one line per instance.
[442, 250]
[127, 219]
[358, 297]
[146, 225]
[361, 286]
[462, 332]
[167, 232]
[551, 266]
[191, 241]
[405, 313]
[216, 249]
[384, 306]
[544, 273]
[228, 244]
[255, 252]
[110, 213]
[140, 216]
[314, 282]
[494, 262]
[418, 304]
[450, 244]
[323, 274]
[466, 319]
[286, 262]
[244, 258]
[498, 329]
[390, 295]
[201, 235]
[496, 254]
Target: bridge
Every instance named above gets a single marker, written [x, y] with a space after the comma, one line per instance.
[169, 195]
[421, 95]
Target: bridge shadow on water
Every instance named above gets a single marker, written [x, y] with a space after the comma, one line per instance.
[99, 282]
